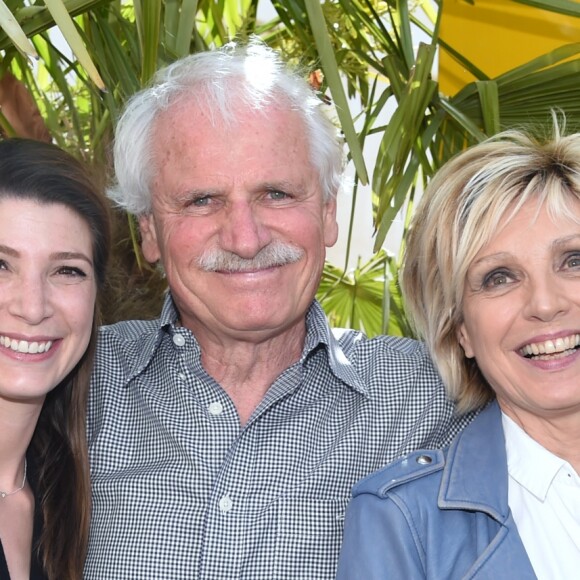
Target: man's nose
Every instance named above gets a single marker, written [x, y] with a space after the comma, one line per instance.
[243, 231]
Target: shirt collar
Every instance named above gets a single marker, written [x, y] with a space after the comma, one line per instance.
[169, 314]
[141, 350]
[318, 332]
[530, 464]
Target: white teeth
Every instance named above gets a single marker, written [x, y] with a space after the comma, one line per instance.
[550, 347]
[25, 347]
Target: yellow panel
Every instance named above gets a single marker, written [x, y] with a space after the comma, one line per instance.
[497, 35]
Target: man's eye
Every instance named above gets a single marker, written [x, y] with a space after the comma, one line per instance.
[278, 195]
[572, 261]
[201, 201]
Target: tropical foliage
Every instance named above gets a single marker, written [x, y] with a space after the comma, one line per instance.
[366, 51]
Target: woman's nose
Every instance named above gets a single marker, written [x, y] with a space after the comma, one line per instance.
[29, 300]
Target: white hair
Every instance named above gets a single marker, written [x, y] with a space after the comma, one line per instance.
[220, 81]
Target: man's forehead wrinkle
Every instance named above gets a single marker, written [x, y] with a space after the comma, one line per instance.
[223, 183]
[287, 185]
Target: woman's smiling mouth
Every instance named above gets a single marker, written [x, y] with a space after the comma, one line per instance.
[549, 349]
[24, 346]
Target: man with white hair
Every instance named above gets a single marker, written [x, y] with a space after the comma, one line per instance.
[226, 435]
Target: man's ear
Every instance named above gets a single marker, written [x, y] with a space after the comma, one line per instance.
[465, 341]
[330, 223]
[149, 243]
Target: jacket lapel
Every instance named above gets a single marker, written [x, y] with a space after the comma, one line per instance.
[475, 478]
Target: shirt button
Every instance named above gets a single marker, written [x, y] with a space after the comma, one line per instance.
[181, 376]
[215, 408]
[178, 340]
[225, 504]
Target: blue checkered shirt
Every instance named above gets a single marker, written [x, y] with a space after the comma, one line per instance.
[180, 490]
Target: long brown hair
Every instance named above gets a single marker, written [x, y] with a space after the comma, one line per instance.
[58, 451]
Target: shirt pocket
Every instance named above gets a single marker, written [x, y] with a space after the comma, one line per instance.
[309, 537]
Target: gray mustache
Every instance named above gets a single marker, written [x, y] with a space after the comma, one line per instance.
[274, 254]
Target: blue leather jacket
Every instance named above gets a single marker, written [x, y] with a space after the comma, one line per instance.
[438, 514]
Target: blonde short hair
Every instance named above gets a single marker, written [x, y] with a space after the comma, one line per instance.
[457, 216]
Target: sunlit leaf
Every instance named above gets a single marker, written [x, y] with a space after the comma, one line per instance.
[66, 25]
[10, 25]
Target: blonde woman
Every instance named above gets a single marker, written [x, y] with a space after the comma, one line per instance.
[492, 281]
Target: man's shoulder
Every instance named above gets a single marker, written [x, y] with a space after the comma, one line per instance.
[128, 331]
[353, 341]
[129, 343]
[387, 359]
[124, 349]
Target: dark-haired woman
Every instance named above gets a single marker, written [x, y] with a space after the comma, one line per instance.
[54, 244]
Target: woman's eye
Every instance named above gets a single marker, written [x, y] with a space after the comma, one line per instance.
[495, 279]
[71, 271]
[3, 265]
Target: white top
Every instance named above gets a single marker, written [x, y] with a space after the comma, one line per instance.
[544, 496]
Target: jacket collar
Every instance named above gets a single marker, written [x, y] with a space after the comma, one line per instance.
[478, 449]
